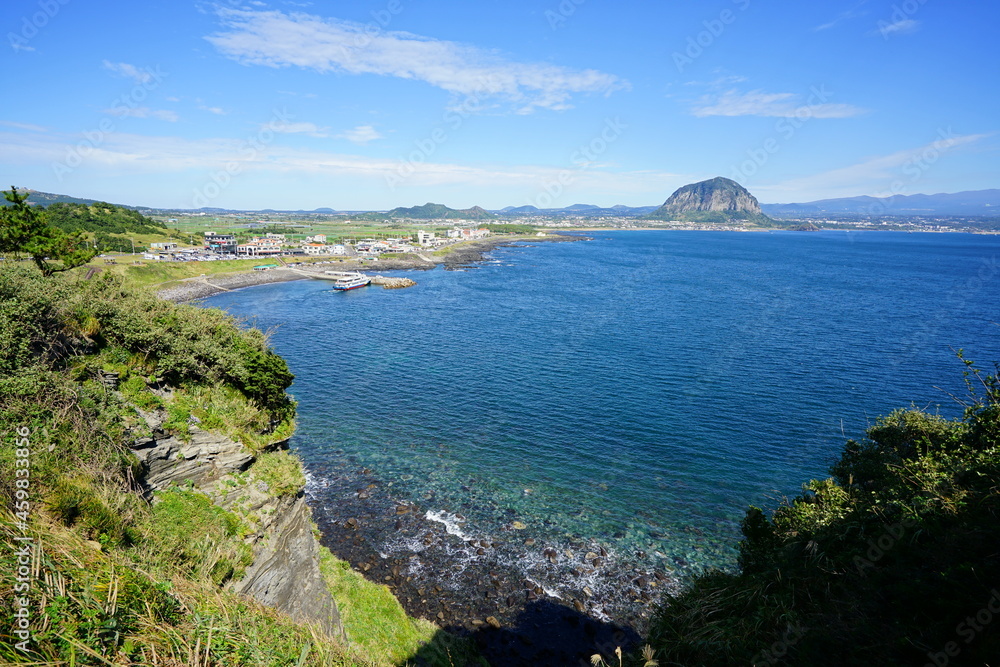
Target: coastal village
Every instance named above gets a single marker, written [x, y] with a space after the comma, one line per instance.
[218, 246]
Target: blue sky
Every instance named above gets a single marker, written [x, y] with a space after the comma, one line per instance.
[381, 103]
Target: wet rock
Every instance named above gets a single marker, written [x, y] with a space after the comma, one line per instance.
[402, 509]
[531, 595]
[659, 575]
[351, 523]
[598, 562]
[640, 582]
[493, 622]
[530, 542]
[586, 591]
[579, 606]
[590, 556]
[517, 525]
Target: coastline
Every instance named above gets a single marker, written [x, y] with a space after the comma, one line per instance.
[461, 255]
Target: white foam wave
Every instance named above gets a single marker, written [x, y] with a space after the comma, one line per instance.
[449, 521]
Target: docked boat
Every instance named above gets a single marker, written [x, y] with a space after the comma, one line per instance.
[345, 280]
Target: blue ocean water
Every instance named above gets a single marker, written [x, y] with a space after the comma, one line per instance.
[636, 390]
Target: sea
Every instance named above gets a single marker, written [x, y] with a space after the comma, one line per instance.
[591, 419]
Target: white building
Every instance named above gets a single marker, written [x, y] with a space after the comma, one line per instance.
[425, 238]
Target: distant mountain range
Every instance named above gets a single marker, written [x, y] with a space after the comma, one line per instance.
[972, 202]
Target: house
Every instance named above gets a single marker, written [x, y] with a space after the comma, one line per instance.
[162, 246]
[258, 247]
[280, 238]
[425, 238]
[318, 238]
[317, 249]
[220, 243]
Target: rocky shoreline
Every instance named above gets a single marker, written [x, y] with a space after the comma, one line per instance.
[525, 597]
[461, 256]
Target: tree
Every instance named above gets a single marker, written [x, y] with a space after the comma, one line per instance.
[24, 229]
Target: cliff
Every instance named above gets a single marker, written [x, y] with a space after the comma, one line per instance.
[145, 478]
[715, 200]
[284, 573]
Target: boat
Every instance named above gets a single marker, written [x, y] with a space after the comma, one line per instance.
[345, 280]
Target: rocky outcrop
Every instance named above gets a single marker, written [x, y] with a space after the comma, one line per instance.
[725, 198]
[167, 460]
[393, 283]
[285, 570]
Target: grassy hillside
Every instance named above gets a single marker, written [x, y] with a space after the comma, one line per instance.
[893, 560]
[113, 579]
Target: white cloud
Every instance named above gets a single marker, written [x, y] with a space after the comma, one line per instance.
[877, 176]
[851, 13]
[361, 135]
[23, 126]
[218, 111]
[143, 112]
[760, 103]
[311, 129]
[277, 39]
[900, 27]
[122, 152]
[129, 71]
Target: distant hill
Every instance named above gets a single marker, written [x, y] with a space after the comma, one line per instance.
[101, 218]
[431, 211]
[37, 198]
[717, 200]
[971, 202]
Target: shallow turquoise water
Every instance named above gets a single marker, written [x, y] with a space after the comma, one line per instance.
[637, 390]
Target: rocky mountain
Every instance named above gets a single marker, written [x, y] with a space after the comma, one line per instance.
[431, 211]
[717, 200]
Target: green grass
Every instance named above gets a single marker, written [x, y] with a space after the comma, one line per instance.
[378, 627]
[281, 471]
